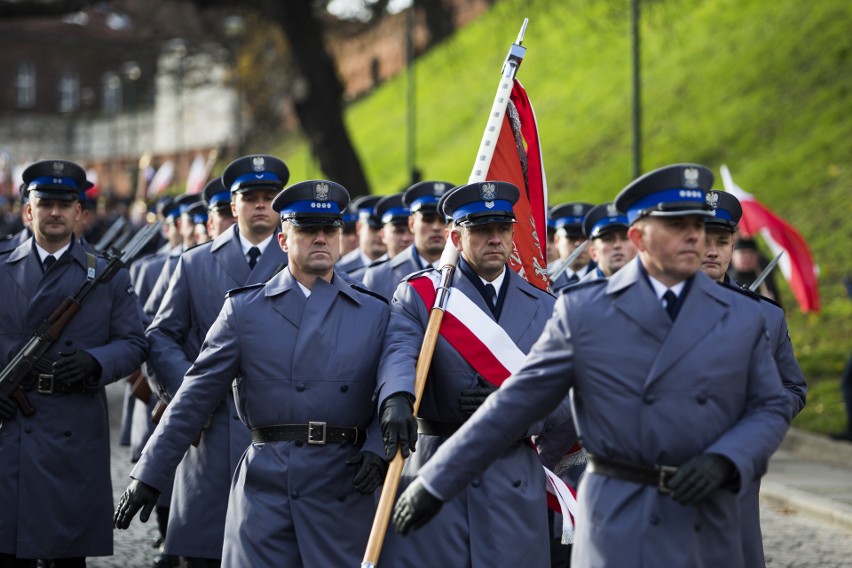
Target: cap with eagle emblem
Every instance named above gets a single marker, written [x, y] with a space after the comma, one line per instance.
[480, 203]
[255, 172]
[568, 217]
[424, 195]
[671, 191]
[54, 179]
[602, 219]
[313, 202]
[727, 210]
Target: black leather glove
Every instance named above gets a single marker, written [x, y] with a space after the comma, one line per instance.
[75, 366]
[399, 427]
[471, 399]
[8, 407]
[414, 508]
[699, 477]
[371, 471]
[138, 495]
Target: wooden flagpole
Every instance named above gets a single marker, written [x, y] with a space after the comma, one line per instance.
[448, 262]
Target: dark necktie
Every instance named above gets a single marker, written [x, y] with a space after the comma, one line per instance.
[490, 295]
[573, 279]
[671, 303]
[48, 262]
[253, 253]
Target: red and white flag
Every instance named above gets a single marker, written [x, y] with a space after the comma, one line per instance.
[517, 159]
[162, 179]
[796, 264]
[199, 171]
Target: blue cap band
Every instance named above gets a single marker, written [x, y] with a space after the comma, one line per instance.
[262, 176]
[50, 180]
[220, 197]
[425, 200]
[184, 209]
[388, 215]
[677, 195]
[310, 206]
[607, 221]
[562, 221]
[199, 218]
[724, 214]
[173, 214]
[498, 205]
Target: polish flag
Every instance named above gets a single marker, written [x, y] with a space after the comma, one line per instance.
[517, 159]
[162, 179]
[797, 263]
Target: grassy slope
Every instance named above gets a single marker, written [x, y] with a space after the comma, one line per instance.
[761, 86]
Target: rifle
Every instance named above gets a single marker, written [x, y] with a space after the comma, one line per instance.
[139, 387]
[23, 363]
[111, 234]
[571, 258]
[766, 272]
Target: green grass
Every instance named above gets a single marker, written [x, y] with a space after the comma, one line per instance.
[764, 87]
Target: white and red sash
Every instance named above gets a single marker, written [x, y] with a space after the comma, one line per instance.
[486, 347]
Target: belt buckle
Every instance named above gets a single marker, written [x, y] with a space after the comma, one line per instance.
[664, 473]
[44, 384]
[311, 439]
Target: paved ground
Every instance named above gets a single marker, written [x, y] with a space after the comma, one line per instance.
[806, 504]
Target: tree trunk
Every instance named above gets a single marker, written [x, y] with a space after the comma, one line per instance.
[439, 19]
[319, 108]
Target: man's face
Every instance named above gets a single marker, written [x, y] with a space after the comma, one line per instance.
[485, 247]
[552, 251]
[370, 240]
[430, 232]
[254, 213]
[219, 220]
[311, 250]
[187, 231]
[718, 249]
[671, 248]
[396, 237]
[745, 260]
[566, 243]
[52, 220]
[171, 228]
[348, 241]
[612, 250]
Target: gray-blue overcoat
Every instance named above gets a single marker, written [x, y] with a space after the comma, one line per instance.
[56, 494]
[503, 506]
[647, 391]
[299, 359]
[385, 277]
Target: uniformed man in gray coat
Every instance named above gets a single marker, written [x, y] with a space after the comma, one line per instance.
[302, 491]
[679, 423]
[429, 228]
[568, 219]
[56, 493]
[394, 232]
[368, 226]
[719, 247]
[505, 504]
[246, 253]
[609, 247]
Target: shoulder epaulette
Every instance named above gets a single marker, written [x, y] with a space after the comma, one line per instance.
[418, 273]
[377, 262]
[582, 284]
[196, 245]
[242, 289]
[368, 292]
[744, 291]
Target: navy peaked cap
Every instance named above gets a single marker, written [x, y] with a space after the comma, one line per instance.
[216, 195]
[670, 191]
[481, 202]
[569, 216]
[257, 171]
[603, 218]
[726, 210]
[391, 209]
[313, 202]
[55, 179]
[424, 195]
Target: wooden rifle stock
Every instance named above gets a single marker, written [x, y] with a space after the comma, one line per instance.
[157, 415]
[139, 387]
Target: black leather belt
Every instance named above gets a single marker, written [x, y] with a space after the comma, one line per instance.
[44, 383]
[434, 428]
[315, 433]
[657, 475]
